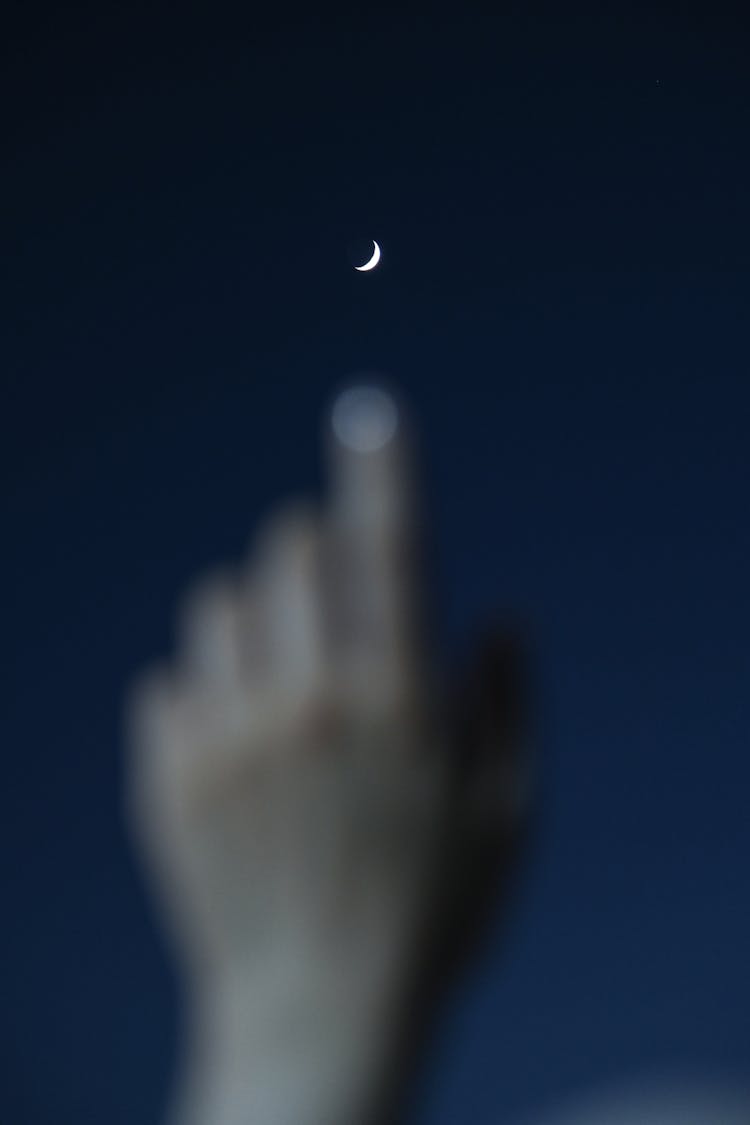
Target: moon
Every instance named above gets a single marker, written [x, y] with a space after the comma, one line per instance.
[373, 260]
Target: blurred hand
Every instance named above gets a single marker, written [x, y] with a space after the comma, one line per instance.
[293, 791]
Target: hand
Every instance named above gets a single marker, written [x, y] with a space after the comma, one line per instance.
[295, 794]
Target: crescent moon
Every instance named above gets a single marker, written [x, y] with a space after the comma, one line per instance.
[373, 260]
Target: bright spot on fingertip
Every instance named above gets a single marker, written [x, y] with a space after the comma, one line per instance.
[364, 419]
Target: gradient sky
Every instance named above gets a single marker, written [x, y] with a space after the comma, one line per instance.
[562, 202]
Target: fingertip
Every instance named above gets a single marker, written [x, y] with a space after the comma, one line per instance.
[208, 628]
[365, 418]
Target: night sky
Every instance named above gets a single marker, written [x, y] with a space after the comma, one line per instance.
[561, 196]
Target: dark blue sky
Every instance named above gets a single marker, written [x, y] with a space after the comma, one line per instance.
[562, 203]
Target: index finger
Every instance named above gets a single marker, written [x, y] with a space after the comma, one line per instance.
[375, 532]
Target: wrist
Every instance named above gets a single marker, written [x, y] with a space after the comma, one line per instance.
[269, 1051]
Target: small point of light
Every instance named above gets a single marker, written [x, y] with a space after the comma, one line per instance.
[364, 419]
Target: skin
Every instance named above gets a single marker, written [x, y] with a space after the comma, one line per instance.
[325, 817]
